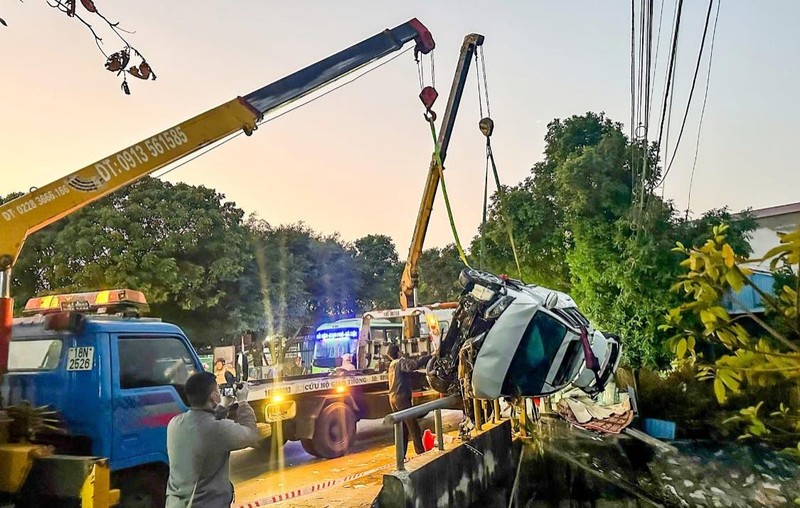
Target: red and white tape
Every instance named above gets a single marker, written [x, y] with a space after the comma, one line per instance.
[311, 489]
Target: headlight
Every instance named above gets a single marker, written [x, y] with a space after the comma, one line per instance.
[494, 311]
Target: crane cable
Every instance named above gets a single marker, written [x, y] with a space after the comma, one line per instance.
[428, 96]
[486, 126]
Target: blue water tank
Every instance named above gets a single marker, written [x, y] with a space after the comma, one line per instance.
[747, 299]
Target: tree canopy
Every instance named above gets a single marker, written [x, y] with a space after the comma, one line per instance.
[587, 221]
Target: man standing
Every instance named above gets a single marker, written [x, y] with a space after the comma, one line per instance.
[400, 392]
[220, 368]
[347, 362]
[199, 446]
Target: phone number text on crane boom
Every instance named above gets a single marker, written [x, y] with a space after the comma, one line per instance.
[140, 153]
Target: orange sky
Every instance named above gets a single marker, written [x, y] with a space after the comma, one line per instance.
[355, 161]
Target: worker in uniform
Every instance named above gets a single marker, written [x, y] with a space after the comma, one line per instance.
[347, 362]
[199, 445]
[400, 393]
[220, 368]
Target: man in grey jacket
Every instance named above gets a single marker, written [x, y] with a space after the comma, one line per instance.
[199, 446]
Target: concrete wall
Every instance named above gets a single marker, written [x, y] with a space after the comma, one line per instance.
[456, 477]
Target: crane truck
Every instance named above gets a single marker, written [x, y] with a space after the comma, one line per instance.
[88, 388]
[410, 276]
[305, 408]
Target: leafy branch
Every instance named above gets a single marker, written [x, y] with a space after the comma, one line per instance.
[117, 62]
[749, 361]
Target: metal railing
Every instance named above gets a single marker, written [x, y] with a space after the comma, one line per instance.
[399, 417]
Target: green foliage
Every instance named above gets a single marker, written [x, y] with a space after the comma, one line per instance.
[578, 229]
[438, 274]
[379, 270]
[748, 359]
[183, 246]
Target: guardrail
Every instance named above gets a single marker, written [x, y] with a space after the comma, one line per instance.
[399, 417]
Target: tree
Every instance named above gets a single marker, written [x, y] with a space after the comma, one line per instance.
[379, 272]
[748, 358]
[588, 222]
[117, 62]
[183, 246]
[282, 266]
[438, 275]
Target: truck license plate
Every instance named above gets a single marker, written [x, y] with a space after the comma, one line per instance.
[279, 411]
[80, 358]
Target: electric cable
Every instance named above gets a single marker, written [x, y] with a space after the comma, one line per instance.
[702, 111]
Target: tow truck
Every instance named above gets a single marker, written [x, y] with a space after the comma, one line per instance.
[321, 410]
[113, 428]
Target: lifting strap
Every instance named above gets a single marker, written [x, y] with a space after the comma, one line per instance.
[487, 127]
[440, 168]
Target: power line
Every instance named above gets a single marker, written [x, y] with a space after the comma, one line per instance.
[670, 70]
[703, 110]
[655, 59]
[691, 92]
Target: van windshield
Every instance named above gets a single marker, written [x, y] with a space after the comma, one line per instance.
[534, 357]
[37, 354]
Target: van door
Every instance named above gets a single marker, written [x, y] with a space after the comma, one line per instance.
[149, 375]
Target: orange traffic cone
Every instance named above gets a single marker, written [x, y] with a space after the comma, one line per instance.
[428, 441]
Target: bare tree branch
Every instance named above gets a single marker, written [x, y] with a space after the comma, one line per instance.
[115, 62]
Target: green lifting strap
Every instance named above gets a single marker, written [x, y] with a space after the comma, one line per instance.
[440, 166]
[503, 208]
[485, 209]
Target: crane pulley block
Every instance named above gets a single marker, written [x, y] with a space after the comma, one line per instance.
[428, 96]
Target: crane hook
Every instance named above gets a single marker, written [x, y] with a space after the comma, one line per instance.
[428, 96]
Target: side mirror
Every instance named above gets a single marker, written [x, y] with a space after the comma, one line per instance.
[551, 301]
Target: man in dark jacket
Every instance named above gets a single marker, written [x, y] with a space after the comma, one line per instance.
[400, 391]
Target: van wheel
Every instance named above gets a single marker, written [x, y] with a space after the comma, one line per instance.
[335, 430]
[142, 489]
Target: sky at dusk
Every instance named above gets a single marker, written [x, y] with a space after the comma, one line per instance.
[356, 160]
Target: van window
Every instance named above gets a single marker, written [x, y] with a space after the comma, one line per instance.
[153, 361]
[534, 356]
[37, 354]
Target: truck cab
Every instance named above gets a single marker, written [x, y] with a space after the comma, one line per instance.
[115, 380]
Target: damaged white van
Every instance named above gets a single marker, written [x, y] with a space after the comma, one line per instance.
[510, 339]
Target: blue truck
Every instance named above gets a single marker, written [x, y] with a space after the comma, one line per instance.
[116, 382]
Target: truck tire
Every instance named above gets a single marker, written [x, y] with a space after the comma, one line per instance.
[335, 430]
[308, 446]
[142, 488]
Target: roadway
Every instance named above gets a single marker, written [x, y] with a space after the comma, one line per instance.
[258, 475]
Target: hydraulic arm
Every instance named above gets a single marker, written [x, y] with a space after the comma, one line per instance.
[410, 277]
[45, 205]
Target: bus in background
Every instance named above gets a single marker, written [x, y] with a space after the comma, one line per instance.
[334, 340]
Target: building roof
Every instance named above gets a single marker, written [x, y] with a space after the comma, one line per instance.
[773, 211]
